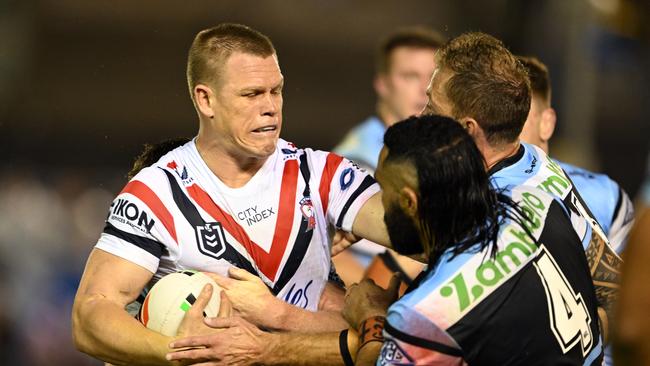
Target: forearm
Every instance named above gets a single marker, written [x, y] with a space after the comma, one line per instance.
[367, 355]
[104, 330]
[292, 318]
[306, 349]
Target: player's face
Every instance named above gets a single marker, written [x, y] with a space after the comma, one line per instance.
[402, 229]
[531, 132]
[437, 101]
[248, 105]
[404, 85]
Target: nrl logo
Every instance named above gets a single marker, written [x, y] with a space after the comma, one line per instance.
[211, 239]
[307, 210]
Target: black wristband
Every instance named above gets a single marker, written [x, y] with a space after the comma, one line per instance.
[343, 346]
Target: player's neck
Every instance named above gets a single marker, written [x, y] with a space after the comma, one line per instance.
[386, 115]
[232, 169]
[494, 154]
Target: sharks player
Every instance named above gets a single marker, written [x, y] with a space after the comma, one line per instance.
[609, 203]
[507, 283]
[482, 85]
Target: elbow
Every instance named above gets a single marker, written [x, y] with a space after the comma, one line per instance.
[81, 337]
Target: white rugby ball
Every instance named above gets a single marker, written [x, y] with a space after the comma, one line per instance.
[171, 297]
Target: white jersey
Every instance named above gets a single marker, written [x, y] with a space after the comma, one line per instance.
[176, 214]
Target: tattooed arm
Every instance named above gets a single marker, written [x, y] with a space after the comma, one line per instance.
[605, 268]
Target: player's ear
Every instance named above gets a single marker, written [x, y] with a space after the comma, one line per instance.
[408, 201]
[380, 85]
[472, 127]
[203, 97]
[547, 124]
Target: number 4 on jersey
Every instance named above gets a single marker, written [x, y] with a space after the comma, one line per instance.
[570, 320]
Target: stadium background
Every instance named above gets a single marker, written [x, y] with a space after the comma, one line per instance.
[84, 84]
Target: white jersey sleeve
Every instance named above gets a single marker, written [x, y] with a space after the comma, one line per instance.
[139, 226]
[621, 222]
[344, 188]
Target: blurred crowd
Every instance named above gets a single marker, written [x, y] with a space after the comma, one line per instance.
[48, 222]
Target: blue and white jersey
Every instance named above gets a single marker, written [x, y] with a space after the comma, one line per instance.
[531, 166]
[363, 143]
[532, 303]
[609, 203]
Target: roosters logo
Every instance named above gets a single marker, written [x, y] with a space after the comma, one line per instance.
[307, 210]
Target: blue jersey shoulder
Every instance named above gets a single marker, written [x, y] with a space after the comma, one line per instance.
[364, 142]
[600, 193]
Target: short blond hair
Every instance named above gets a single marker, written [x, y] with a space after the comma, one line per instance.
[212, 47]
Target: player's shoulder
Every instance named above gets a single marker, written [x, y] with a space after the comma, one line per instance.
[578, 174]
[173, 160]
[290, 151]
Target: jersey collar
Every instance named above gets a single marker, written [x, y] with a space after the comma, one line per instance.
[511, 160]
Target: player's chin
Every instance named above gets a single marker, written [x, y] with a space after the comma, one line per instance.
[264, 150]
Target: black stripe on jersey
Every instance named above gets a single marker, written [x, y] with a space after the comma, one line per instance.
[619, 202]
[567, 201]
[193, 216]
[302, 239]
[367, 182]
[420, 342]
[151, 246]
[295, 258]
[306, 174]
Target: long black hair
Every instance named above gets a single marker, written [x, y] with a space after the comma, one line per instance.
[458, 208]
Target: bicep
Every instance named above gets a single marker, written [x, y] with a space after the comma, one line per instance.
[113, 278]
[369, 222]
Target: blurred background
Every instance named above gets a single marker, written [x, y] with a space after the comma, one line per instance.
[84, 84]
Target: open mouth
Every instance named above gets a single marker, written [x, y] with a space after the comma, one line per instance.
[266, 129]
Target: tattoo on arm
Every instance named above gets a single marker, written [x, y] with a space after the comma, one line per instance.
[371, 330]
[605, 268]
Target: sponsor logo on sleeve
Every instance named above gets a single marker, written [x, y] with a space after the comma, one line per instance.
[127, 212]
[346, 179]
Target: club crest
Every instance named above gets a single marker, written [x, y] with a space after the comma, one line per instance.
[307, 210]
